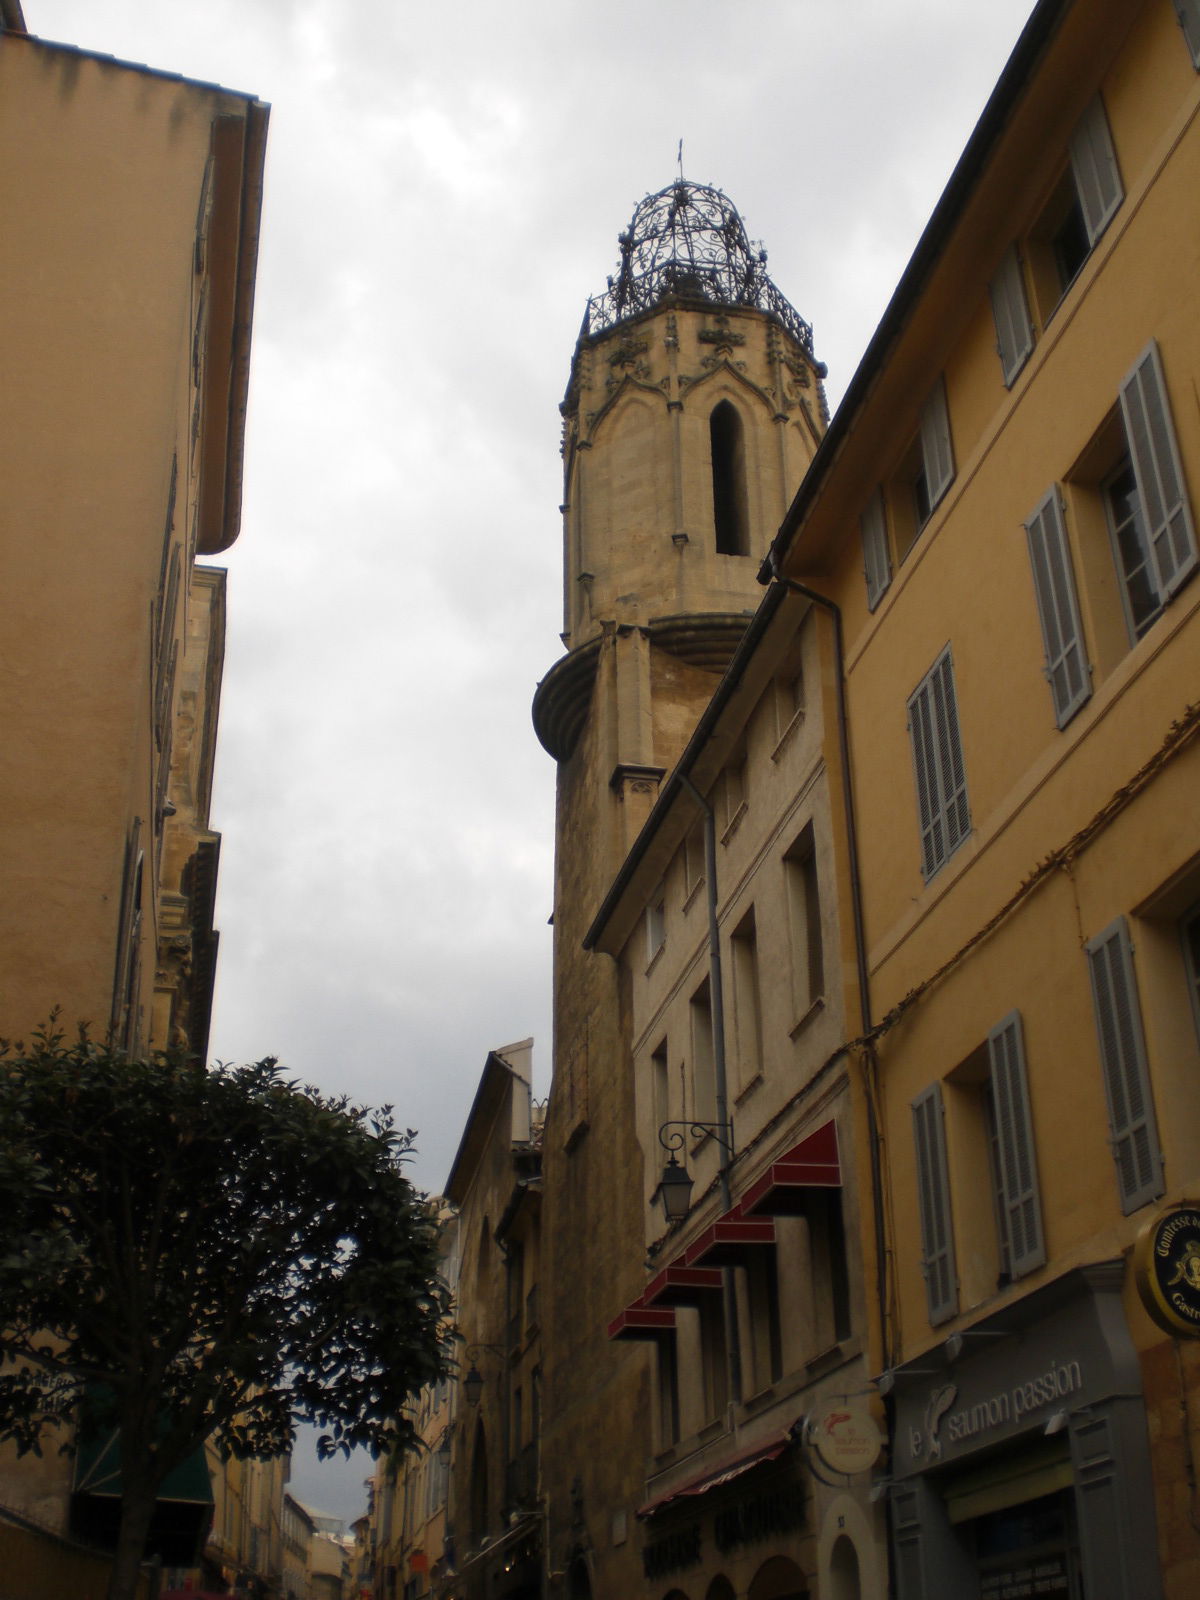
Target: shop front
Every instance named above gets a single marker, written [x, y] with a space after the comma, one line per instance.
[1021, 1463]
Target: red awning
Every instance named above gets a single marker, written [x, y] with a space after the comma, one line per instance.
[784, 1188]
[682, 1286]
[724, 1243]
[724, 1472]
[639, 1321]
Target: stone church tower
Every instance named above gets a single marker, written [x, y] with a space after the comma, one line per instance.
[693, 409]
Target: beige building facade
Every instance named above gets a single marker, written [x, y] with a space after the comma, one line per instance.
[127, 264]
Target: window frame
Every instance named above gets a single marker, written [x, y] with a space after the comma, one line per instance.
[1068, 671]
[1125, 1068]
[938, 1263]
[1023, 1240]
[935, 737]
[1187, 14]
[877, 556]
[1011, 315]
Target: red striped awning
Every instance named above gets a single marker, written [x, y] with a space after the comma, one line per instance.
[682, 1286]
[723, 1472]
[784, 1188]
[640, 1321]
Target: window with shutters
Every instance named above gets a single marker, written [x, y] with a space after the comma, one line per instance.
[1067, 671]
[1079, 209]
[1010, 311]
[1132, 1128]
[804, 922]
[941, 784]
[1188, 12]
[933, 1198]
[1129, 502]
[1019, 1208]
[877, 557]
[924, 474]
[747, 1003]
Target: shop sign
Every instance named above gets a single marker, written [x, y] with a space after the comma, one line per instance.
[846, 1437]
[1167, 1269]
[947, 1424]
[1046, 1579]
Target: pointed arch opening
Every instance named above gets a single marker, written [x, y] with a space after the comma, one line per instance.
[477, 1505]
[731, 509]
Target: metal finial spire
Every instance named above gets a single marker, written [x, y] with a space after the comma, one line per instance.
[679, 159]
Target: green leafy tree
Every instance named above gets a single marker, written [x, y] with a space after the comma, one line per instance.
[201, 1254]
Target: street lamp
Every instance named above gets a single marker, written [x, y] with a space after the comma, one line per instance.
[474, 1380]
[674, 1192]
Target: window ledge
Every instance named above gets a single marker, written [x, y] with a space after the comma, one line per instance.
[655, 958]
[835, 1356]
[802, 1022]
[692, 893]
[744, 1094]
[785, 738]
[734, 823]
[760, 1401]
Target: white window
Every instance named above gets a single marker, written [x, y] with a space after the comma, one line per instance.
[933, 1195]
[1153, 535]
[1020, 1212]
[941, 782]
[1134, 1132]
[1067, 670]
[1188, 12]
[937, 455]
[877, 560]
[1094, 166]
[1078, 211]
[1010, 309]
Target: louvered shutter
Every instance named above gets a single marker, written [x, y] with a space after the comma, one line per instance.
[933, 1189]
[1188, 12]
[1094, 164]
[1014, 1139]
[937, 758]
[1156, 466]
[936, 450]
[1126, 1077]
[1067, 670]
[1010, 309]
[877, 564]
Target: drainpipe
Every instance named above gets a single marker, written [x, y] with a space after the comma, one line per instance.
[733, 1343]
[860, 943]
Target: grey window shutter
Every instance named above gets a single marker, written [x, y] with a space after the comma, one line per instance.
[933, 1185]
[1188, 12]
[1014, 1137]
[937, 452]
[1126, 1076]
[1094, 164]
[1067, 670]
[1156, 466]
[1010, 309]
[877, 563]
[938, 762]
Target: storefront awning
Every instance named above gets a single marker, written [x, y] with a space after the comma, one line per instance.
[723, 1472]
[785, 1188]
[724, 1243]
[640, 1321]
[682, 1286]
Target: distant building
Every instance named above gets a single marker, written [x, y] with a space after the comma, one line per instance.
[493, 1547]
[127, 269]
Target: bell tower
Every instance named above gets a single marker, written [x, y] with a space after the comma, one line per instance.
[693, 409]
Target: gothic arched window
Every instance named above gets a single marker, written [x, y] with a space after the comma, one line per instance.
[730, 510]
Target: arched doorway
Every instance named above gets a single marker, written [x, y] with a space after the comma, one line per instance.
[778, 1579]
[720, 1589]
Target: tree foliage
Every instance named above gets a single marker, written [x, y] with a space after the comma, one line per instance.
[217, 1253]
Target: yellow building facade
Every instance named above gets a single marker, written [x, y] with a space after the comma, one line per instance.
[1003, 513]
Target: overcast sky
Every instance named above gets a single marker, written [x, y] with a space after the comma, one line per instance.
[445, 186]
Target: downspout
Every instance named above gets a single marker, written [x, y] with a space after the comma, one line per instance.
[733, 1343]
[860, 943]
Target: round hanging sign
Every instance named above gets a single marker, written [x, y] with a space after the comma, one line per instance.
[1166, 1263]
[846, 1437]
